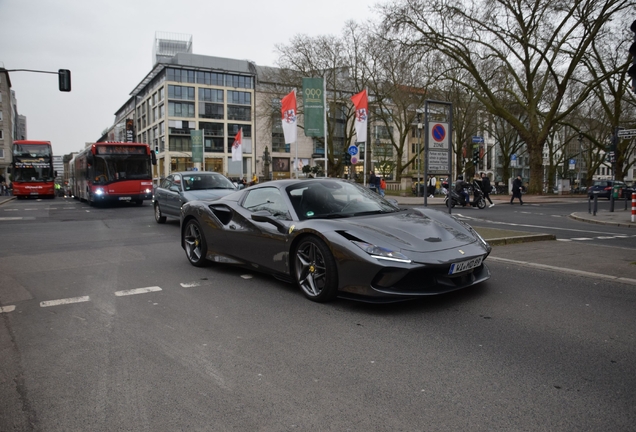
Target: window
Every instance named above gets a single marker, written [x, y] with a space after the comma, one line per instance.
[214, 144]
[212, 129]
[278, 137]
[211, 95]
[178, 143]
[154, 99]
[1, 134]
[180, 109]
[162, 129]
[180, 127]
[161, 111]
[210, 110]
[180, 75]
[239, 113]
[210, 78]
[0, 115]
[180, 92]
[233, 128]
[269, 199]
[239, 81]
[237, 97]
[1, 151]
[160, 94]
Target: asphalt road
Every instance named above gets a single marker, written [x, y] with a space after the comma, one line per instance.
[113, 330]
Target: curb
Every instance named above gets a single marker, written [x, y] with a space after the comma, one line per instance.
[600, 222]
[2, 201]
[520, 239]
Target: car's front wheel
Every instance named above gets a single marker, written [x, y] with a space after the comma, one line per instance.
[158, 216]
[195, 246]
[315, 270]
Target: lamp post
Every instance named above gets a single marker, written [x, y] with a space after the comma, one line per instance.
[267, 159]
[580, 160]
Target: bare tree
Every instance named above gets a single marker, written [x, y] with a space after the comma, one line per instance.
[528, 51]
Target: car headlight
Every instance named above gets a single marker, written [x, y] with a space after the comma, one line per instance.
[99, 191]
[382, 253]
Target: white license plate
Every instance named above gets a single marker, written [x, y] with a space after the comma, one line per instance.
[465, 265]
[125, 198]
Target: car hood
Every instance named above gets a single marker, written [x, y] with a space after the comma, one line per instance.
[207, 194]
[420, 230]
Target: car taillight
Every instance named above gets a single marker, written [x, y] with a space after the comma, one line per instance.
[608, 188]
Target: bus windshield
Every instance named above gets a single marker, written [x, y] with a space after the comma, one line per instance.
[31, 150]
[111, 168]
[24, 174]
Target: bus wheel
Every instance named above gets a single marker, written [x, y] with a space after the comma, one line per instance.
[139, 202]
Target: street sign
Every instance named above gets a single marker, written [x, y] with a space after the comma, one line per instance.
[478, 139]
[353, 150]
[627, 133]
[572, 164]
[513, 160]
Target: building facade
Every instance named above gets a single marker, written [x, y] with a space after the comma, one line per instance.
[6, 124]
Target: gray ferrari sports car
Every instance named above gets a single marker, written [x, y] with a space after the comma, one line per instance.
[335, 238]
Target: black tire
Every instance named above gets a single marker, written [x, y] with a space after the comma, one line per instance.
[481, 204]
[315, 270]
[139, 202]
[195, 246]
[159, 218]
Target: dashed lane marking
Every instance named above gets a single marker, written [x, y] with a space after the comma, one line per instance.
[5, 309]
[65, 301]
[137, 291]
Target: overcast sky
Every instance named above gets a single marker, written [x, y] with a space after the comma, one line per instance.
[108, 48]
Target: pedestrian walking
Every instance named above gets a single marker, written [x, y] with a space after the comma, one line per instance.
[517, 184]
[486, 187]
[372, 179]
[382, 186]
[432, 185]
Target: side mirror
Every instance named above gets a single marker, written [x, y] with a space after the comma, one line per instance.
[174, 188]
[265, 216]
[153, 158]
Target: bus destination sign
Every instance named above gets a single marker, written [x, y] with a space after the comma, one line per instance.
[119, 149]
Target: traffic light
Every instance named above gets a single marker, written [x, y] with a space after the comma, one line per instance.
[156, 149]
[347, 159]
[632, 51]
[64, 77]
[475, 156]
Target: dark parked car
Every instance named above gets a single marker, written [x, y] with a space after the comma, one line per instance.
[335, 238]
[603, 188]
[181, 187]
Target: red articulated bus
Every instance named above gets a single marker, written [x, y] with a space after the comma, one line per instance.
[32, 169]
[112, 172]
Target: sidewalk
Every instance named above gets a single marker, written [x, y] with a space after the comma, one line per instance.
[620, 216]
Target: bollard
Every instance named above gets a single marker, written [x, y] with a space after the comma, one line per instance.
[612, 200]
[595, 202]
[634, 207]
[589, 204]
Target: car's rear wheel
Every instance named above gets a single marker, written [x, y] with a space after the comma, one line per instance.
[195, 246]
[315, 270]
[158, 216]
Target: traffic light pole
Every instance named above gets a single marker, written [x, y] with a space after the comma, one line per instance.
[64, 76]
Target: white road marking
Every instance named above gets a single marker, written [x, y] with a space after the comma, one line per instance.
[537, 226]
[10, 209]
[10, 218]
[564, 240]
[582, 238]
[64, 301]
[137, 291]
[566, 270]
[5, 309]
[190, 284]
[247, 276]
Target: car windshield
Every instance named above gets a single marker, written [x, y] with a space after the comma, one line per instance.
[206, 181]
[336, 199]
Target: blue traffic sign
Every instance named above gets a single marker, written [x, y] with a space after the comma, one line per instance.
[353, 150]
[478, 139]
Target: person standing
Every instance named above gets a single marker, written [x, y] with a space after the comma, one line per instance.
[372, 179]
[485, 185]
[432, 185]
[517, 184]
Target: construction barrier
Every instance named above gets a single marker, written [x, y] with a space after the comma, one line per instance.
[634, 207]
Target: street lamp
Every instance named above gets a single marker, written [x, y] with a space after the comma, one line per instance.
[580, 159]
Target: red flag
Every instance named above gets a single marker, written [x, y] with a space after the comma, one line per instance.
[237, 150]
[288, 110]
[361, 103]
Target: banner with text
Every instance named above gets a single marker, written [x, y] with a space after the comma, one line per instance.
[197, 145]
[314, 107]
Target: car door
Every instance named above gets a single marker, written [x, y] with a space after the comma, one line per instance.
[161, 193]
[173, 196]
[260, 243]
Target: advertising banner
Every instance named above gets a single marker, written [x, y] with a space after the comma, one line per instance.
[314, 107]
[197, 145]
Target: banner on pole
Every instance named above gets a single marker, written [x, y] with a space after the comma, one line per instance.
[197, 145]
[314, 107]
